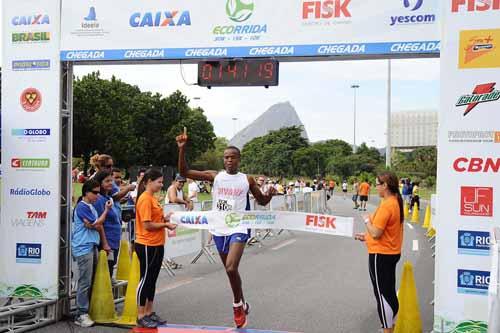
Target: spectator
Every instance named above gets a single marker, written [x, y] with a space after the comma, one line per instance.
[331, 188]
[193, 190]
[384, 237]
[364, 192]
[355, 196]
[149, 246]
[415, 198]
[175, 194]
[85, 238]
[133, 194]
[321, 185]
[344, 188]
[406, 191]
[112, 223]
[307, 188]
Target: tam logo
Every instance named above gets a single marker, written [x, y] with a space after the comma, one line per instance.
[474, 5]
[160, 19]
[320, 221]
[325, 9]
[476, 201]
[477, 164]
[36, 215]
[31, 20]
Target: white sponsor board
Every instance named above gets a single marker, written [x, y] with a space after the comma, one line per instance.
[183, 242]
[317, 223]
[29, 227]
[179, 29]
[468, 170]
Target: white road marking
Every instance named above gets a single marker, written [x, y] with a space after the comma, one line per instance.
[409, 225]
[415, 245]
[282, 245]
[177, 285]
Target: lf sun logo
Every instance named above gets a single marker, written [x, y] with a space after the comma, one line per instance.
[476, 201]
[407, 4]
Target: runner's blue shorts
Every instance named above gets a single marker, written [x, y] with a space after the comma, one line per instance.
[224, 242]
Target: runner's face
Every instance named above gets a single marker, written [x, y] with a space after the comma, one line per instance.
[231, 161]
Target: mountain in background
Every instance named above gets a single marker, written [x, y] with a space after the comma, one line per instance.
[276, 117]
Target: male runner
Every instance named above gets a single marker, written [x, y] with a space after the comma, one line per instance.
[229, 193]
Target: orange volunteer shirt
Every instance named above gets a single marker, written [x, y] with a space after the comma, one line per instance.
[364, 189]
[148, 209]
[386, 218]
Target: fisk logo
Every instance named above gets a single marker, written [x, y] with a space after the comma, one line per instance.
[476, 201]
[473, 282]
[418, 4]
[320, 221]
[474, 242]
[474, 5]
[160, 19]
[482, 93]
[31, 20]
[477, 164]
[325, 9]
[28, 253]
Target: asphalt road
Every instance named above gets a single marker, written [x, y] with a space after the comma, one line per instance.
[296, 282]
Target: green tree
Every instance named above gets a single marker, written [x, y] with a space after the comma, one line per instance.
[213, 158]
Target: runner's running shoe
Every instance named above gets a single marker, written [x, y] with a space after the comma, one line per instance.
[240, 315]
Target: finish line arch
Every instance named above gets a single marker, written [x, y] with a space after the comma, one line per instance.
[44, 42]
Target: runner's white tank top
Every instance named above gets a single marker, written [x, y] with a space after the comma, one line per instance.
[230, 193]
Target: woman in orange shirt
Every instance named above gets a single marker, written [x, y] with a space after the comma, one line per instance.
[150, 227]
[384, 238]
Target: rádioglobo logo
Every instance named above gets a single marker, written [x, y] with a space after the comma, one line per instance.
[29, 253]
[29, 192]
[413, 6]
[474, 242]
[472, 282]
[166, 18]
[30, 20]
[476, 201]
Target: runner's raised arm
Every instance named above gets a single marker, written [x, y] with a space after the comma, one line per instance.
[182, 164]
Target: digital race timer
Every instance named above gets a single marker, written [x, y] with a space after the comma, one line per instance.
[234, 73]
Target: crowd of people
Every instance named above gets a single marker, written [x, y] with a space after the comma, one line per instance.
[97, 221]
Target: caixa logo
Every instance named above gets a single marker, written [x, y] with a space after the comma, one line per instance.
[474, 5]
[473, 282]
[474, 242]
[476, 201]
[477, 164]
[160, 19]
[31, 20]
[28, 192]
[28, 253]
[191, 219]
[413, 18]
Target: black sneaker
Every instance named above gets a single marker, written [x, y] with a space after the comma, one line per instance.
[146, 322]
[153, 316]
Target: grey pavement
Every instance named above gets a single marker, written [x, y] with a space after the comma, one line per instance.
[298, 282]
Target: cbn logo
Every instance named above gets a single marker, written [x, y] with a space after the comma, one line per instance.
[239, 10]
[232, 220]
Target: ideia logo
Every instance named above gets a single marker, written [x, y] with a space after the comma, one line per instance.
[325, 9]
[31, 99]
[30, 163]
[31, 219]
[31, 20]
[413, 5]
[167, 18]
[479, 49]
[482, 93]
[473, 282]
[239, 10]
[476, 201]
[30, 37]
[28, 253]
[474, 5]
[477, 164]
[474, 243]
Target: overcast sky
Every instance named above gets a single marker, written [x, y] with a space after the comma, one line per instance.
[319, 91]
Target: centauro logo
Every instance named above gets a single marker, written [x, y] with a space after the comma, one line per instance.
[482, 93]
[479, 49]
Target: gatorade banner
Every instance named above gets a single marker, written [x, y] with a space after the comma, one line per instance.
[322, 224]
[468, 178]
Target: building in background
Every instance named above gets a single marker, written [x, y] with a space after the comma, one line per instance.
[413, 129]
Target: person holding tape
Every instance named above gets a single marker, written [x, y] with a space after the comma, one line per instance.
[150, 225]
[384, 238]
[230, 192]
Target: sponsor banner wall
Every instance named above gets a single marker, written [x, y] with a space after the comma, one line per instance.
[179, 29]
[29, 222]
[317, 223]
[183, 242]
[468, 164]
